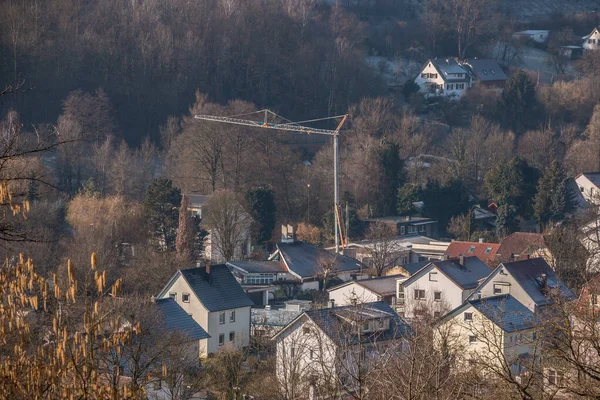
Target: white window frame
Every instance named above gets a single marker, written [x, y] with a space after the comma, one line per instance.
[418, 292]
[222, 318]
[173, 295]
[232, 336]
[232, 316]
[221, 339]
[433, 276]
[185, 297]
[403, 230]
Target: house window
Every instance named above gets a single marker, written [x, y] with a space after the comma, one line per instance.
[472, 339]
[221, 339]
[401, 297]
[366, 327]
[468, 316]
[419, 294]
[424, 75]
[594, 299]
[582, 189]
[411, 229]
[555, 378]
[402, 230]
[293, 352]
[232, 316]
[460, 86]
[306, 330]
[437, 296]
[497, 289]
[185, 297]
[450, 86]
[173, 296]
[231, 336]
[311, 355]
[433, 276]
[380, 324]
[221, 317]
[423, 228]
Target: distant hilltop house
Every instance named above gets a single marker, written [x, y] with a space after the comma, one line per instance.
[366, 291]
[592, 41]
[588, 185]
[444, 77]
[450, 78]
[540, 36]
[406, 225]
[486, 252]
[211, 252]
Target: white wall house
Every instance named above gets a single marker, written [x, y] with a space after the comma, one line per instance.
[532, 282]
[443, 78]
[476, 327]
[366, 291]
[439, 287]
[592, 41]
[587, 183]
[216, 301]
[537, 35]
[324, 346]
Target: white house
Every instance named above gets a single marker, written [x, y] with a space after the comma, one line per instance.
[334, 345]
[440, 286]
[587, 183]
[531, 281]
[500, 323]
[443, 77]
[537, 35]
[591, 41]
[216, 301]
[366, 291]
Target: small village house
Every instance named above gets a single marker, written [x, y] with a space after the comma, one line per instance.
[366, 291]
[486, 252]
[440, 286]
[443, 77]
[486, 73]
[536, 35]
[216, 301]
[592, 40]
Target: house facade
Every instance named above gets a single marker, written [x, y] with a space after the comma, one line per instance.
[591, 41]
[537, 35]
[532, 282]
[439, 287]
[443, 77]
[215, 300]
[366, 291]
[334, 345]
[587, 184]
[501, 323]
[407, 225]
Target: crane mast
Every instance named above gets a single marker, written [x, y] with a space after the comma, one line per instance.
[295, 127]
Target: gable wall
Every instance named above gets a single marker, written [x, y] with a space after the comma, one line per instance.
[343, 295]
[513, 288]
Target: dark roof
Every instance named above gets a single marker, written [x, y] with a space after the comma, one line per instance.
[520, 245]
[450, 66]
[505, 311]
[257, 267]
[415, 267]
[400, 219]
[219, 291]
[466, 276]
[486, 70]
[593, 177]
[174, 318]
[333, 321]
[305, 260]
[484, 251]
[528, 273]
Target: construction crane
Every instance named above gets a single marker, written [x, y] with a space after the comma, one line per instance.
[295, 127]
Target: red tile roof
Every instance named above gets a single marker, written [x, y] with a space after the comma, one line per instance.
[519, 246]
[486, 252]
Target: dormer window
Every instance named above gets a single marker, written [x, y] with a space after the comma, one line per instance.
[365, 327]
[468, 317]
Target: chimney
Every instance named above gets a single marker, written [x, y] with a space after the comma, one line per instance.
[331, 303]
[408, 217]
[480, 240]
[461, 260]
[287, 234]
[544, 280]
[445, 257]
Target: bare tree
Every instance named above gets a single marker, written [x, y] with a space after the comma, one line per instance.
[383, 248]
[228, 225]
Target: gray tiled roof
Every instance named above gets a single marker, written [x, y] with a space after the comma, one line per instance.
[331, 321]
[528, 274]
[466, 276]
[305, 259]
[486, 70]
[174, 318]
[197, 200]
[219, 291]
[450, 66]
[413, 268]
[384, 286]
[594, 177]
[258, 267]
[506, 312]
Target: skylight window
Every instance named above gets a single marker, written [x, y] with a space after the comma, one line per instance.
[471, 249]
[488, 250]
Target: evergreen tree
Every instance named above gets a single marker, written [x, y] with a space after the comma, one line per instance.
[33, 188]
[554, 199]
[407, 195]
[442, 202]
[518, 104]
[261, 203]
[161, 209]
[392, 176]
[186, 232]
[506, 220]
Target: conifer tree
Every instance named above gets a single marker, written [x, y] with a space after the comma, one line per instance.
[186, 234]
[554, 199]
[161, 209]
